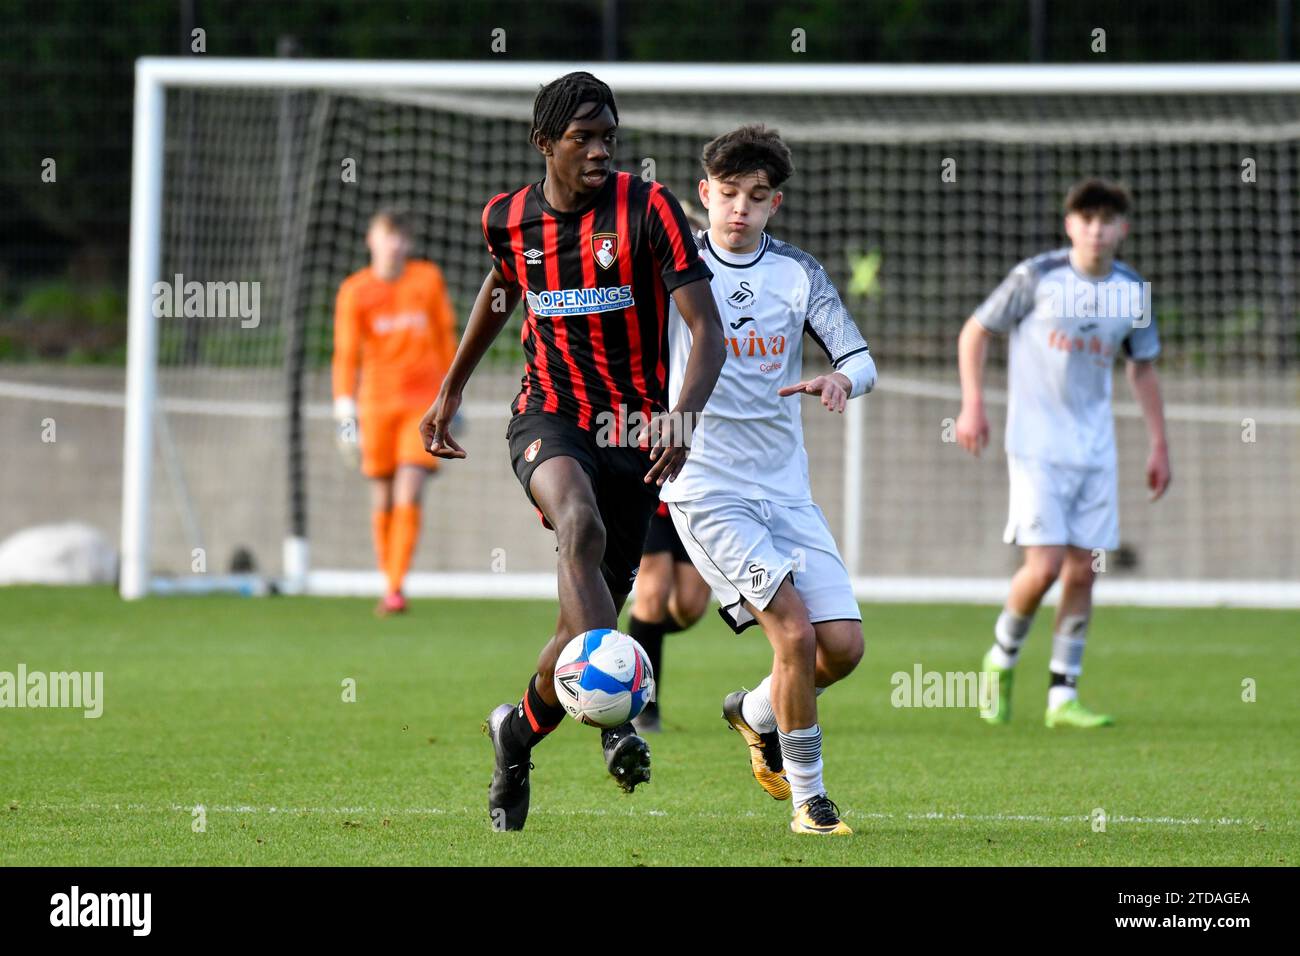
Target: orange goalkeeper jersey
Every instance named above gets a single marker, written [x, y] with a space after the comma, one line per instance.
[400, 334]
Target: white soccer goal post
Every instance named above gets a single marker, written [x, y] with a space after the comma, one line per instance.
[918, 188]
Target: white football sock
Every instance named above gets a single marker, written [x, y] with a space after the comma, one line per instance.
[801, 752]
[1058, 695]
[1009, 635]
[756, 706]
[1068, 644]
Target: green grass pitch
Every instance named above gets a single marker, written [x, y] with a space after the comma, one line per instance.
[236, 705]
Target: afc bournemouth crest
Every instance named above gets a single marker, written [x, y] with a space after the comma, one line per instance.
[604, 246]
[531, 451]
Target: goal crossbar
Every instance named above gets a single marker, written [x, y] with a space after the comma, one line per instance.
[156, 75]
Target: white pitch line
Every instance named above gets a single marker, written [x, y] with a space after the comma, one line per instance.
[955, 816]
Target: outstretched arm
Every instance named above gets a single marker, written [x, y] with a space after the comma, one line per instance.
[700, 313]
[496, 300]
[834, 389]
[829, 324]
[972, 423]
[1144, 381]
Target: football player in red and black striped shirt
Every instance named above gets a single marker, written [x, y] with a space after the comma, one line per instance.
[596, 254]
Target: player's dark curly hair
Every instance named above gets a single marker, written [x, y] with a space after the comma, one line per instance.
[1095, 194]
[557, 103]
[747, 150]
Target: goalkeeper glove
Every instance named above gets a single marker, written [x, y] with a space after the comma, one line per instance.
[347, 434]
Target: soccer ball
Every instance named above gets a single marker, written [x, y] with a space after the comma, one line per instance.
[603, 678]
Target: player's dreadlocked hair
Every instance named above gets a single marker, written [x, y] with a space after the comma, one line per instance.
[558, 101]
[747, 150]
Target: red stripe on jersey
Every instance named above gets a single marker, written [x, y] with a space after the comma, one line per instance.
[550, 246]
[513, 225]
[632, 315]
[522, 403]
[487, 210]
[670, 227]
[486, 238]
[597, 333]
[661, 373]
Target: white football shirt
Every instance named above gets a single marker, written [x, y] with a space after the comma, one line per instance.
[1065, 330]
[749, 440]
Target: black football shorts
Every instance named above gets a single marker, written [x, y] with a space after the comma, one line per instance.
[663, 536]
[617, 474]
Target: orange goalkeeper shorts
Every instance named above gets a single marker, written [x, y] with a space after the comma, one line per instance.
[391, 437]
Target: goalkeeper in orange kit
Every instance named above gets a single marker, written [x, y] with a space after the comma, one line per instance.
[393, 322]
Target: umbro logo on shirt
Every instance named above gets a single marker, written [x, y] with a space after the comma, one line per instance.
[534, 256]
[741, 297]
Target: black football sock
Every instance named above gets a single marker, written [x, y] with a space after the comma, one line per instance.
[650, 635]
[531, 720]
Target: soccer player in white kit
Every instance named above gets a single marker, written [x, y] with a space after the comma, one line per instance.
[742, 503]
[1067, 312]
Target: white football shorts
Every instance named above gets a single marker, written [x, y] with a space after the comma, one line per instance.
[1054, 504]
[744, 549]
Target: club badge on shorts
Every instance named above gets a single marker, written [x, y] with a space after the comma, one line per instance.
[531, 451]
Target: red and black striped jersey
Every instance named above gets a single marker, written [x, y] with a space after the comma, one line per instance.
[596, 285]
